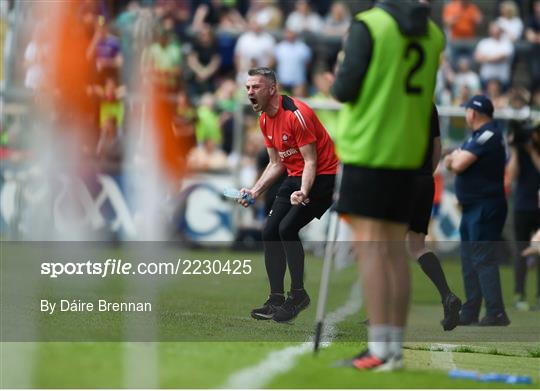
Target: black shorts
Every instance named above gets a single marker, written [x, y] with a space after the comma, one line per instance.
[320, 195]
[424, 190]
[383, 194]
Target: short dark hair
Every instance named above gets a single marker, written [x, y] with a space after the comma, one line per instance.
[268, 73]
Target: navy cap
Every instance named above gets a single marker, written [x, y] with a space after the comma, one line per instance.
[482, 104]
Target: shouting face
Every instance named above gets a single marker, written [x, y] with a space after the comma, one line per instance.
[260, 91]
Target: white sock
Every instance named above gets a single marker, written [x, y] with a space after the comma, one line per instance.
[396, 340]
[378, 337]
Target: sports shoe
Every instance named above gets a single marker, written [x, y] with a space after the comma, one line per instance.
[396, 362]
[465, 321]
[269, 308]
[452, 306]
[498, 320]
[520, 303]
[296, 301]
[366, 361]
[537, 306]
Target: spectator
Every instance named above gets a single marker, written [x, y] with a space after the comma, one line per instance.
[110, 97]
[185, 117]
[144, 28]
[465, 76]
[105, 51]
[303, 19]
[226, 105]
[35, 59]
[218, 15]
[336, 25]
[338, 20]
[183, 126]
[496, 95]
[329, 118]
[231, 20]
[207, 126]
[535, 100]
[265, 13]
[169, 26]
[89, 13]
[177, 11]
[292, 58]
[162, 61]
[203, 61]
[445, 78]
[4, 12]
[509, 21]
[518, 97]
[494, 54]
[207, 156]
[124, 23]
[109, 149]
[226, 96]
[462, 17]
[463, 95]
[532, 35]
[526, 175]
[518, 3]
[255, 48]
[479, 165]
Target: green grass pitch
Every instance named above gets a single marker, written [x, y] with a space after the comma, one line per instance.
[221, 339]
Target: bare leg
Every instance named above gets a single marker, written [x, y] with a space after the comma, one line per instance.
[416, 244]
[384, 270]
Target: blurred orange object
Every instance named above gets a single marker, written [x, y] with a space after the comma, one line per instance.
[68, 71]
[171, 151]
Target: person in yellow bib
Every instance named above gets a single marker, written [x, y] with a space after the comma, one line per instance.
[386, 82]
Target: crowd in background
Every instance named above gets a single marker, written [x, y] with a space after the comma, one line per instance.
[490, 66]
[199, 53]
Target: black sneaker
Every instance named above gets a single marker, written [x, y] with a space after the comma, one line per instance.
[497, 320]
[466, 321]
[296, 302]
[452, 306]
[267, 311]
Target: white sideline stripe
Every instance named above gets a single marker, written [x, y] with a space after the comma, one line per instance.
[17, 362]
[281, 361]
[141, 365]
[141, 359]
[442, 360]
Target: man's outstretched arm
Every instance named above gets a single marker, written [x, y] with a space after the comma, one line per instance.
[271, 173]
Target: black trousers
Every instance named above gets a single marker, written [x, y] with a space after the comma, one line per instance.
[282, 245]
[525, 225]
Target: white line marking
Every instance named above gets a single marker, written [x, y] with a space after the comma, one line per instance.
[442, 359]
[17, 362]
[141, 359]
[283, 360]
[141, 365]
